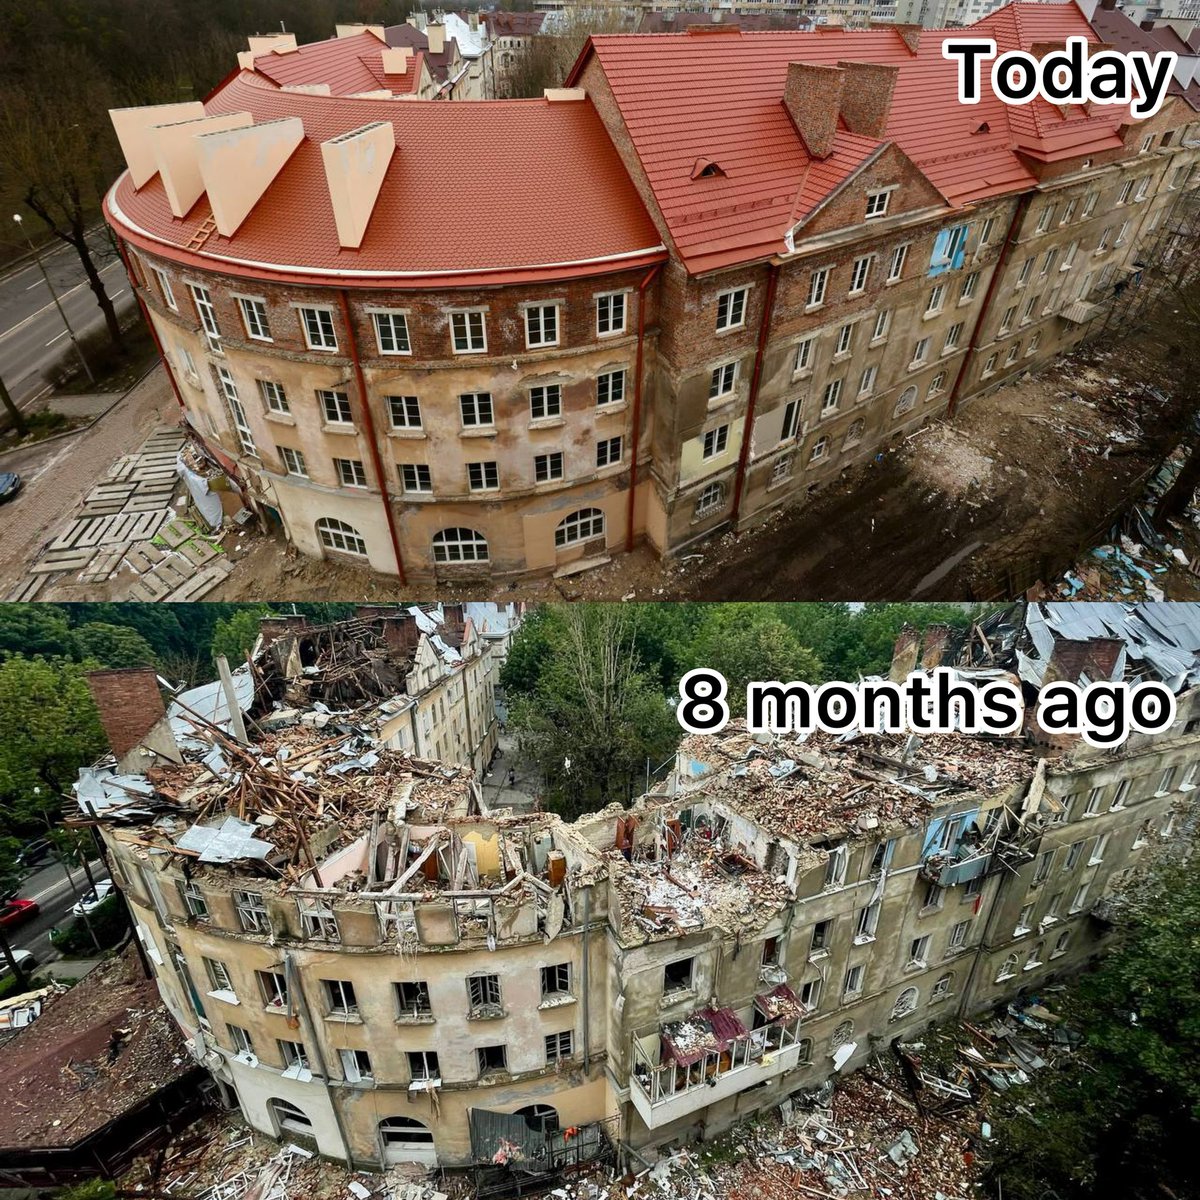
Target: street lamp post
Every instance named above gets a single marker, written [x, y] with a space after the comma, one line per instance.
[54, 296]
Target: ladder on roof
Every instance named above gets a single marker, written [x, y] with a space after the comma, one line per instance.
[206, 230]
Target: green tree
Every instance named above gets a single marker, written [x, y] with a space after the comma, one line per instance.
[596, 714]
[235, 635]
[32, 629]
[113, 645]
[50, 729]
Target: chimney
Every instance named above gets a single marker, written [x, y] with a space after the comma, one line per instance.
[1108, 5]
[355, 166]
[238, 166]
[401, 634]
[178, 157]
[133, 127]
[272, 628]
[437, 38]
[813, 98]
[271, 43]
[911, 35]
[867, 96]
[936, 639]
[345, 31]
[904, 654]
[129, 703]
[395, 60]
[454, 624]
[308, 89]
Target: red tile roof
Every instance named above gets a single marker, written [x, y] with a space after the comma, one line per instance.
[348, 65]
[720, 97]
[483, 192]
[414, 39]
[514, 24]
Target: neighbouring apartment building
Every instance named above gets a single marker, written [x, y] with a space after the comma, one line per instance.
[642, 314]
[362, 952]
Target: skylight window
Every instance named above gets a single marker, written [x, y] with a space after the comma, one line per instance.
[706, 168]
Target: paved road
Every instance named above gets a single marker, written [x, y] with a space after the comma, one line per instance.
[49, 887]
[32, 337]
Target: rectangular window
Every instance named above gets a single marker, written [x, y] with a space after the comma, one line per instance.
[936, 297]
[731, 309]
[985, 234]
[483, 993]
[1122, 794]
[559, 1046]
[318, 328]
[854, 979]
[391, 332]
[1089, 203]
[491, 1058]
[715, 441]
[164, 286]
[974, 887]
[293, 462]
[896, 266]
[967, 291]
[831, 397]
[989, 367]
[274, 989]
[273, 396]
[723, 380]
[844, 338]
[782, 469]
[921, 351]
[1046, 217]
[866, 385]
[416, 477]
[545, 401]
[877, 204]
[1012, 355]
[816, 287]
[1142, 190]
[483, 476]
[804, 355]
[958, 935]
[541, 325]
[556, 981]
[193, 900]
[1080, 898]
[412, 1000]
[467, 331]
[821, 936]
[254, 314]
[1044, 863]
[548, 466]
[937, 385]
[252, 912]
[242, 1042]
[1098, 850]
[356, 1066]
[294, 1056]
[1025, 272]
[336, 406]
[859, 273]
[882, 324]
[423, 1065]
[404, 412]
[952, 336]
[351, 472]
[1073, 855]
[1094, 800]
[810, 994]
[918, 951]
[867, 923]
[610, 314]
[819, 450]
[1006, 321]
[791, 420]
[476, 409]
[237, 412]
[1030, 306]
[610, 388]
[339, 995]
[208, 316]
[218, 975]
[677, 976]
[1069, 257]
[608, 451]
[1166, 782]
[1048, 261]
[1069, 212]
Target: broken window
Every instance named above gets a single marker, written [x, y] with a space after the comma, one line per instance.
[821, 936]
[318, 921]
[469, 334]
[854, 980]
[868, 920]
[491, 1058]
[356, 1066]
[294, 1055]
[937, 385]
[918, 951]
[483, 991]
[242, 1042]
[1143, 835]
[559, 1046]
[810, 994]
[908, 398]
[731, 309]
[882, 855]
[193, 900]
[423, 1065]
[934, 894]
[412, 999]
[941, 989]
[906, 1003]
[218, 976]
[273, 985]
[677, 976]
[804, 1056]
[770, 952]
[974, 887]
[556, 980]
[339, 995]
[1008, 968]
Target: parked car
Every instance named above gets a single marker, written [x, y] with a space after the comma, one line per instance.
[93, 899]
[25, 960]
[36, 853]
[10, 485]
[17, 912]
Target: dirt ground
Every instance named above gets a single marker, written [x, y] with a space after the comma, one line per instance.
[1003, 496]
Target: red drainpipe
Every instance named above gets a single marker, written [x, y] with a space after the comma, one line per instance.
[137, 291]
[369, 424]
[764, 329]
[637, 402]
[986, 308]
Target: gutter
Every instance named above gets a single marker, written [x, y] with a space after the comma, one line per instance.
[985, 309]
[752, 400]
[637, 402]
[369, 423]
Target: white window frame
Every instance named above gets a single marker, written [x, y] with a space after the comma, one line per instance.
[416, 479]
[897, 262]
[877, 204]
[551, 401]
[320, 333]
[274, 398]
[604, 388]
[715, 442]
[357, 472]
[164, 286]
[804, 355]
[451, 550]
[605, 450]
[552, 468]
[255, 318]
[293, 462]
[475, 409]
[607, 305]
[859, 273]
[723, 381]
[818, 284]
[206, 311]
[324, 395]
[406, 409]
[488, 480]
[541, 330]
[336, 534]
[462, 330]
[732, 299]
[393, 319]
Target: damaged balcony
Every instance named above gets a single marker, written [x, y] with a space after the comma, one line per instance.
[711, 1055]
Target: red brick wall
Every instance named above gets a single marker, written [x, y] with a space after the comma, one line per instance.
[129, 703]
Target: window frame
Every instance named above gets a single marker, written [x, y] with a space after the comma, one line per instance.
[324, 328]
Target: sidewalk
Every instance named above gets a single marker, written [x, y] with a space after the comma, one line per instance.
[522, 794]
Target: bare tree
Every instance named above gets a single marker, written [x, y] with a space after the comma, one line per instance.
[545, 60]
[58, 152]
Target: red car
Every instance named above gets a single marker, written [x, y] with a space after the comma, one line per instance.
[16, 912]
